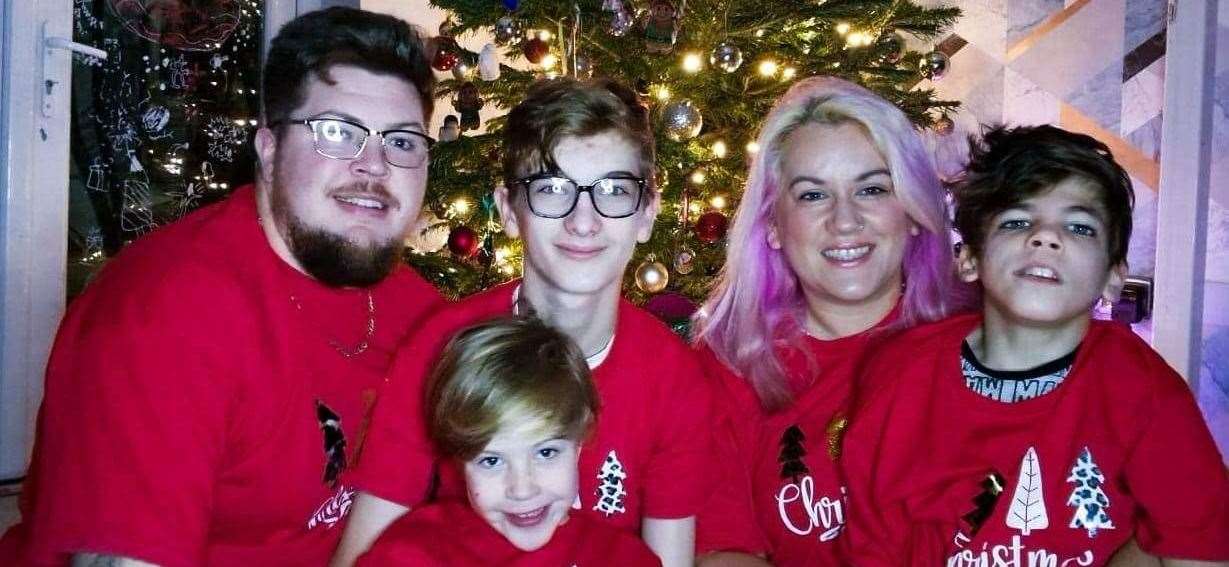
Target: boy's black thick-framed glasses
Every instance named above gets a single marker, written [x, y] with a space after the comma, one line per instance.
[342, 139]
[553, 196]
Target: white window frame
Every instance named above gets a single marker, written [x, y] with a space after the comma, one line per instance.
[33, 214]
[1183, 197]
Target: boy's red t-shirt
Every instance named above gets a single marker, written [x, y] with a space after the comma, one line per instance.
[1118, 450]
[783, 496]
[649, 455]
[181, 422]
[450, 534]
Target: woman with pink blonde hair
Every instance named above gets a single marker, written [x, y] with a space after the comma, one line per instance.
[842, 235]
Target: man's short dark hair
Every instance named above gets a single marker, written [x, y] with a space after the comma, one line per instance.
[1010, 165]
[311, 44]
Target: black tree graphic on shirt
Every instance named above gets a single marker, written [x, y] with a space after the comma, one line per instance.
[983, 503]
[334, 443]
[791, 454]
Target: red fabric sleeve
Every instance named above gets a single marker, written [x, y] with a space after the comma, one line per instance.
[727, 520]
[385, 553]
[134, 418]
[398, 457]
[680, 474]
[1177, 477]
[877, 530]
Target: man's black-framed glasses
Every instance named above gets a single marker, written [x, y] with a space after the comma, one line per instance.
[554, 196]
[342, 139]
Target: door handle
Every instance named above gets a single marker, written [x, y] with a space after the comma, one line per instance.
[47, 90]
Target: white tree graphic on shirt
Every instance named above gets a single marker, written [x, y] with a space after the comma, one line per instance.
[1028, 509]
[1088, 497]
[610, 493]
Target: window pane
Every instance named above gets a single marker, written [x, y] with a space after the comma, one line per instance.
[163, 126]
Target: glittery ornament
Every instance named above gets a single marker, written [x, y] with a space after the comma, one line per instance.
[463, 241]
[445, 57]
[651, 276]
[892, 47]
[685, 261]
[535, 49]
[507, 29]
[682, 120]
[711, 227]
[944, 126]
[726, 56]
[934, 65]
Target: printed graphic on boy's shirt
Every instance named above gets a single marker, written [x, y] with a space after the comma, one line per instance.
[803, 512]
[610, 490]
[1088, 498]
[1027, 514]
[332, 510]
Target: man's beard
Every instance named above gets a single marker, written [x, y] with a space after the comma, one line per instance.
[330, 258]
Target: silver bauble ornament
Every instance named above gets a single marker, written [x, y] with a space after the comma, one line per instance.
[507, 29]
[726, 56]
[682, 120]
[892, 46]
[462, 71]
[934, 65]
[652, 276]
[685, 261]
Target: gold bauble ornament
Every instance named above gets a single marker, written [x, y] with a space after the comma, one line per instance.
[652, 276]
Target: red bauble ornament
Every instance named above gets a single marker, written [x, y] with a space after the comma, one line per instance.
[535, 49]
[445, 59]
[463, 241]
[711, 227]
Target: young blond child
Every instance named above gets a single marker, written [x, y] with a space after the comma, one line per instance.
[1030, 434]
[511, 401]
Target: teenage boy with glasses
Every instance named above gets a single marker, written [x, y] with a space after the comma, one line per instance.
[192, 384]
[645, 466]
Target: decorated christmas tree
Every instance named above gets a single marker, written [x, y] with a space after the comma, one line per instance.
[709, 69]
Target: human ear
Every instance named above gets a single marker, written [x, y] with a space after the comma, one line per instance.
[966, 264]
[1114, 283]
[266, 153]
[503, 204]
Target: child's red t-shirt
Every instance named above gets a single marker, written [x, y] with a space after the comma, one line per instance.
[649, 456]
[1118, 450]
[450, 534]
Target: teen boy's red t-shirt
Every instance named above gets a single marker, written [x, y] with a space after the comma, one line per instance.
[649, 456]
[1118, 450]
[451, 534]
[789, 503]
[181, 423]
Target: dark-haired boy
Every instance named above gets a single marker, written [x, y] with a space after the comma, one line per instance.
[1029, 434]
[206, 392]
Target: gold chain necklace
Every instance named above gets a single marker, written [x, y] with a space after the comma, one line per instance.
[362, 346]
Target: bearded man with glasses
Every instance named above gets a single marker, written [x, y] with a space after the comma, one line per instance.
[206, 394]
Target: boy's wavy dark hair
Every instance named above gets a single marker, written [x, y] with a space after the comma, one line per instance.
[1010, 165]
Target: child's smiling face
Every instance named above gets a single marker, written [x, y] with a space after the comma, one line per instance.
[524, 482]
[1045, 261]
